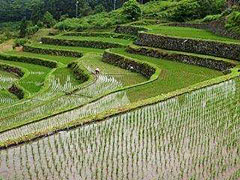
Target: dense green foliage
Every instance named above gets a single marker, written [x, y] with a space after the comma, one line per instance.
[131, 10]
[189, 32]
[98, 21]
[69, 79]
[233, 21]
[48, 20]
[15, 10]
[210, 18]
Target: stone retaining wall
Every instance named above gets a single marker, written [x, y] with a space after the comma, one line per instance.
[55, 52]
[16, 91]
[17, 71]
[188, 59]
[216, 27]
[30, 60]
[129, 64]
[124, 29]
[213, 48]
[80, 43]
[101, 34]
[79, 71]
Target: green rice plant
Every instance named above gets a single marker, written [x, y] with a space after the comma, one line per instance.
[171, 73]
[144, 142]
[6, 79]
[187, 32]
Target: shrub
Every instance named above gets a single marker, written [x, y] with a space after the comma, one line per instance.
[226, 12]
[210, 18]
[32, 30]
[99, 8]
[23, 28]
[97, 21]
[233, 21]
[152, 8]
[20, 42]
[64, 17]
[48, 20]
[185, 10]
[40, 24]
[193, 9]
[131, 10]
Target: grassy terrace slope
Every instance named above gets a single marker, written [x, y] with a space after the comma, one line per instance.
[57, 105]
[61, 60]
[92, 42]
[162, 121]
[102, 39]
[174, 75]
[37, 74]
[186, 32]
[76, 49]
[6, 81]
[201, 126]
[112, 78]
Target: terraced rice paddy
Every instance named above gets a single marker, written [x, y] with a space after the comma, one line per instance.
[187, 32]
[140, 118]
[6, 79]
[191, 136]
[102, 39]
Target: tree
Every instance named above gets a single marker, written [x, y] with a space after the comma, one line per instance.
[23, 28]
[132, 10]
[48, 20]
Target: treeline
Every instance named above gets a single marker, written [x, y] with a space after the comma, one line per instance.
[15, 10]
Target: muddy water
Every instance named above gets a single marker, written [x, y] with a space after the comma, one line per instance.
[192, 136]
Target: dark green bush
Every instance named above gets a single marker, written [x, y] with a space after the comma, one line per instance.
[20, 42]
[132, 10]
[97, 21]
[48, 20]
[32, 30]
[23, 28]
[233, 19]
[193, 9]
[185, 10]
[210, 18]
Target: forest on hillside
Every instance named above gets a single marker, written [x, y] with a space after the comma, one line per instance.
[15, 10]
[20, 18]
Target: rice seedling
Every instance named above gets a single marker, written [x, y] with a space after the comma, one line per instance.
[181, 138]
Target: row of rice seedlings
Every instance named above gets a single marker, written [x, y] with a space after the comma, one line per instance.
[7, 98]
[6, 81]
[194, 136]
[103, 83]
[111, 101]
